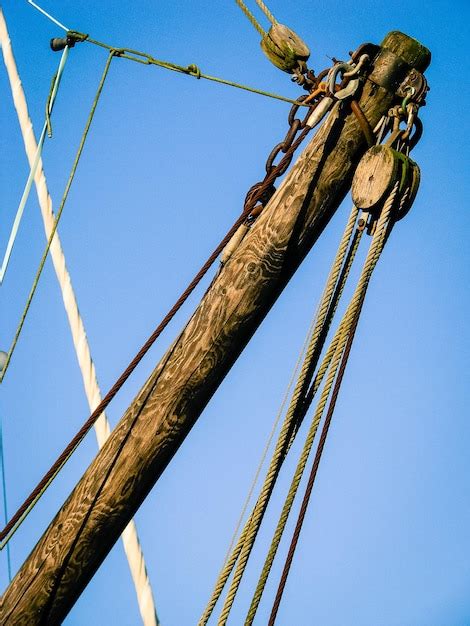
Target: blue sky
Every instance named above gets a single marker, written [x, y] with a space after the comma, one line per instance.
[164, 173]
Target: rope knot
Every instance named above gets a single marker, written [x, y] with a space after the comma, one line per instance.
[194, 70]
[117, 52]
[76, 36]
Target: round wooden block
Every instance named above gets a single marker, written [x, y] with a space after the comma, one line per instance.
[374, 177]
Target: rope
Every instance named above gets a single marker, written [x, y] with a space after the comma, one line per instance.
[48, 15]
[331, 362]
[130, 538]
[270, 438]
[251, 527]
[58, 216]
[266, 11]
[34, 165]
[4, 491]
[252, 19]
[313, 473]
[190, 70]
[48, 478]
[297, 405]
[42, 486]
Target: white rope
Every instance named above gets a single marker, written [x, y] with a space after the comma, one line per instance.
[34, 165]
[56, 22]
[130, 539]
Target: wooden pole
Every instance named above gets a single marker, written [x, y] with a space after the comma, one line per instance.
[155, 425]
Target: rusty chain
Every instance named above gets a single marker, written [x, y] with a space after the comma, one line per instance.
[260, 193]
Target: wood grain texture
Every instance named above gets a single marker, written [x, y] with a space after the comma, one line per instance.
[152, 429]
[374, 177]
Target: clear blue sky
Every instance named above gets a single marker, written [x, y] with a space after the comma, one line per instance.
[387, 537]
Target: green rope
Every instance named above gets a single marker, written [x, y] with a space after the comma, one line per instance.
[58, 216]
[190, 70]
[48, 107]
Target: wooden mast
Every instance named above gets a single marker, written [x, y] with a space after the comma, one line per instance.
[155, 425]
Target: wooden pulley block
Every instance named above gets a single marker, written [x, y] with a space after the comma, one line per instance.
[377, 172]
[285, 49]
[412, 186]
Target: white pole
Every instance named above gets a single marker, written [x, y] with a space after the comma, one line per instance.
[130, 539]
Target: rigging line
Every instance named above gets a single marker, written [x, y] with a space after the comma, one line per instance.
[34, 166]
[130, 539]
[189, 70]
[335, 300]
[18, 518]
[298, 406]
[266, 11]
[48, 15]
[147, 59]
[58, 216]
[337, 347]
[270, 438]
[251, 18]
[313, 473]
[285, 436]
[249, 534]
[41, 487]
[4, 489]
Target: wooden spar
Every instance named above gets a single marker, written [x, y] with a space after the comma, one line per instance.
[155, 425]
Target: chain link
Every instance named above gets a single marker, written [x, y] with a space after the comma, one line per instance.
[260, 193]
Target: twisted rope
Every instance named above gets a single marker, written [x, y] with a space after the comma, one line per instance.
[382, 233]
[329, 367]
[57, 219]
[251, 18]
[243, 547]
[266, 11]
[132, 547]
[333, 357]
[33, 165]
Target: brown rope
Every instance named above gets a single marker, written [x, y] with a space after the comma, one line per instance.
[59, 463]
[313, 472]
[43, 484]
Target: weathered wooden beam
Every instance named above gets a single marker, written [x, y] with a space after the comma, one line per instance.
[155, 425]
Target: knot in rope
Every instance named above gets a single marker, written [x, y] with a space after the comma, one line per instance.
[117, 52]
[76, 36]
[194, 70]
